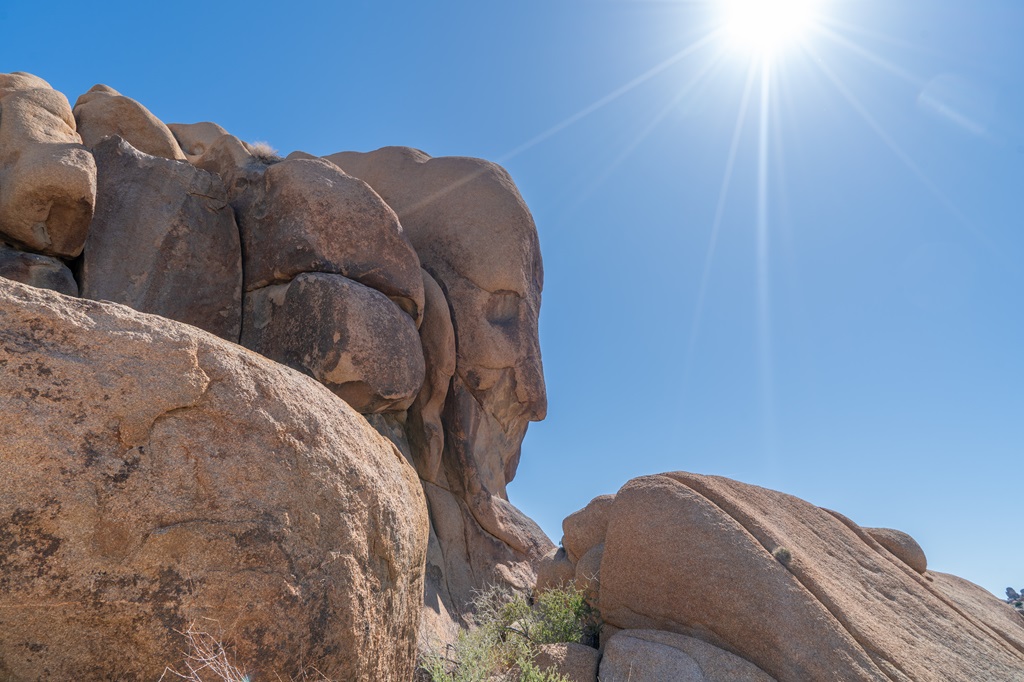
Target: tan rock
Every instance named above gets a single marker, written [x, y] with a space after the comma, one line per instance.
[156, 476]
[308, 216]
[347, 336]
[554, 570]
[103, 111]
[902, 546]
[163, 241]
[195, 138]
[44, 272]
[586, 528]
[588, 573]
[979, 604]
[654, 656]
[575, 662]
[694, 555]
[47, 178]
[437, 336]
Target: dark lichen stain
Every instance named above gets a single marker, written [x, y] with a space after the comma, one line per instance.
[128, 466]
[25, 547]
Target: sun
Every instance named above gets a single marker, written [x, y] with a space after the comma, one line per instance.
[767, 26]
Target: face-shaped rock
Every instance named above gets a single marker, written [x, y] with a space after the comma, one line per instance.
[475, 235]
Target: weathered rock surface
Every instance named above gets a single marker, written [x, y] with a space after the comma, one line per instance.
[156, 476]
[47, 178]
[694, 555]
[655, 656]
[574, 661]
[44, 272]
[586, 528]
[195, 138]
[349, 337]
[476, 238]
[587, 575]
[103, 112]
[437, 336]
[308, 216]
[163, 241]
[902, 546]
[554, 570]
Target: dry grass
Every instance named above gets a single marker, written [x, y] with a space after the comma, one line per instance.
[208, 660]
[264, 152]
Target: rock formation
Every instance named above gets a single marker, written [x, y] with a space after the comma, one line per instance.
[408, 286]
[704, 578]
[157, 478]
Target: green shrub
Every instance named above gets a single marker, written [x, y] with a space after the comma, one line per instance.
[508, 629]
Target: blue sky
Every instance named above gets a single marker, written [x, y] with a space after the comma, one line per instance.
[856, 335]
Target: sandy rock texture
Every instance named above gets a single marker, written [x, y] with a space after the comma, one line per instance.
[156, 476]
[163, 241]
[800, 592]
[47, 177]
[655, 656]
[103, 112]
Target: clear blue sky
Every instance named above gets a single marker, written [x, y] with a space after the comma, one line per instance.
[856, 337]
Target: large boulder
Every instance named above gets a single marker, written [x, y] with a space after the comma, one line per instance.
[575, 662]
[163, 241]
[801, 592]
[44, 272]
[902, 546]
[586, 528]
[157, 478]
[47, 178]
[347, 336]
[103, 111]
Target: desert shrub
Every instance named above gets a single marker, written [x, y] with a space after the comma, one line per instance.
[507, 630]
[783, 555]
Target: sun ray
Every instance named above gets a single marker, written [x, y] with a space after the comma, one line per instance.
[870, 56]
[764, 327]
[862, 111]
[716, 225]
[611, 96]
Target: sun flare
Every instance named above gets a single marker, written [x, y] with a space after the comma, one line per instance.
[767, 26]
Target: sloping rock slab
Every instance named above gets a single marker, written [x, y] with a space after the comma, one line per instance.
[701, 556]
[156, 477]
[653, 656]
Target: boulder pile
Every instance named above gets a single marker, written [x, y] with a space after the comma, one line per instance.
[407, 287]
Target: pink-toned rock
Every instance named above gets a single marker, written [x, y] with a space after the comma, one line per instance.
[655, 656]
[44, 272]
[586, 528]
[103, 112]
[347, 336]
[554, 570]
[902, 546]
[156, 477]
[163, 241]
[575, 662]
[47, 178]
[698, 555]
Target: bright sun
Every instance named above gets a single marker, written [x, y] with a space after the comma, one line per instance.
[767, 26]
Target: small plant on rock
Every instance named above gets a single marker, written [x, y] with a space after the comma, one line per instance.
[783, 555]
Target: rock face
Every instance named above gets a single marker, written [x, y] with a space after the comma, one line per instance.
[902, 546]
[476, 238]
[156, 476]
[163, 241]
[800, 592]
[47, 178]
[103, 112]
